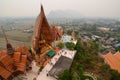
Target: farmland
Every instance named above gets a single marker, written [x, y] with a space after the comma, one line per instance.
[15, 33]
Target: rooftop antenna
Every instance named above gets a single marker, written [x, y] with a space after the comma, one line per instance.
[9, 47]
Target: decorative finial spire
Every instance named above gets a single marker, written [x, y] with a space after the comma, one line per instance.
[4, 35]
[41, 7]
[9, 47]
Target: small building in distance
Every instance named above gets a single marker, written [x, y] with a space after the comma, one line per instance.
[66, 38]
[69, 38]
[103, 28]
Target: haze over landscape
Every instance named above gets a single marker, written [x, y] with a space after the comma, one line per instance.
[59, 39]
[88, 8]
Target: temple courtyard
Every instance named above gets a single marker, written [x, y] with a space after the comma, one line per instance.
[60, 62]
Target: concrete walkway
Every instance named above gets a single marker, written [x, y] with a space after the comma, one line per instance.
[30, 75]
[48, 67]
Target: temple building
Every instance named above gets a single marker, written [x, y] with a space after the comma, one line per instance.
[13, 60]
[18, 61]
[43, 37]
[56, 32]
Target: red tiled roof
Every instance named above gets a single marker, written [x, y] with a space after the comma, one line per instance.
[23, 59]
[112, 61]
[6, 67]
[117, 55]
[20, 57]
[17, 56]
[56, 32]
[18, 60]
[3, 53]
[21, 66]
[5, 73]
[24, 50]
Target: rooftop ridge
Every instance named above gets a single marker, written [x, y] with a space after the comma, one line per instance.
[113, 60]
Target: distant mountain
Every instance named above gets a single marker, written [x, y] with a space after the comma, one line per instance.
[64, 14]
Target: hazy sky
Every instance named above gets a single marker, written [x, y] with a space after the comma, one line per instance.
[90, 8]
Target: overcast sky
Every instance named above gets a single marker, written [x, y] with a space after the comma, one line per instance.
[89, 8]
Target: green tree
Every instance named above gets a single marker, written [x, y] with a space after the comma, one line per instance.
[66, 75]
[70, 45]
[94, 47]
[114, 75]
[117, 48]
[60, 44]
[105, 68]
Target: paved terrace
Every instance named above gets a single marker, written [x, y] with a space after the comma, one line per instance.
[43, 74]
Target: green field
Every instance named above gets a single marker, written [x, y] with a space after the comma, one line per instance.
[14, 29]
[16, 38]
